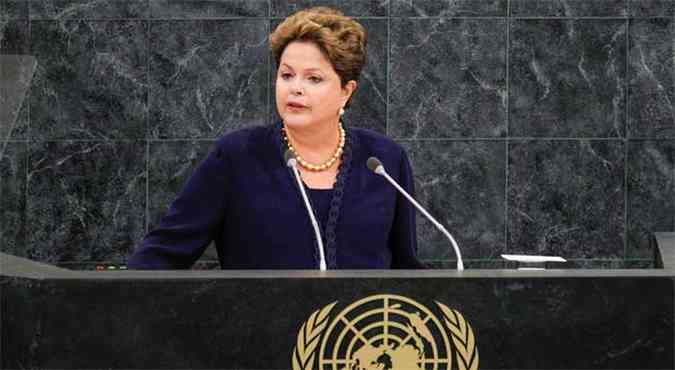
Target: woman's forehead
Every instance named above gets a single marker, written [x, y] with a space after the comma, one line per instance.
[305, 56]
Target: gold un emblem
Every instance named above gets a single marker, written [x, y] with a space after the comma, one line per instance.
[385, 332]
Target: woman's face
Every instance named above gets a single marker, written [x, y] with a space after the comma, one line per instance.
[308, 90]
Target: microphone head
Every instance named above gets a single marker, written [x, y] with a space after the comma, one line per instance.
[375, 165]
[289, 157]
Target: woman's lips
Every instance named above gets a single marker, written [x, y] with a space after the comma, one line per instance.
[296, 106]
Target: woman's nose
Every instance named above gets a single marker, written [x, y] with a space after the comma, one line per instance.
[296, 87]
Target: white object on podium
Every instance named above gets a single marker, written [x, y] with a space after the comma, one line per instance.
[532, 260]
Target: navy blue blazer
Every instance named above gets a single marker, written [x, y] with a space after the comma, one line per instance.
[245, 198]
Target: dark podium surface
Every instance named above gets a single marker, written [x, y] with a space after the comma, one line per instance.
[54, 318]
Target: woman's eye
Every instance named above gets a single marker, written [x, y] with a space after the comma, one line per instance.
[285, 76]
[315, 79]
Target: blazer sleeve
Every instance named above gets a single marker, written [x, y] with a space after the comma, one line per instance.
[404, 231]
[193, 220]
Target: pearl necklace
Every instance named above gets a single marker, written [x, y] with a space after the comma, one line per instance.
[317, 167]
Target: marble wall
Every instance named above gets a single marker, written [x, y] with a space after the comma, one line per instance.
[534, 126]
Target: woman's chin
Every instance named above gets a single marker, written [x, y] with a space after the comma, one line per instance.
[296, 120]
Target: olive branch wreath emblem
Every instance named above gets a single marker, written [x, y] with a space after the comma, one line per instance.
[310, 333]
[308, 338]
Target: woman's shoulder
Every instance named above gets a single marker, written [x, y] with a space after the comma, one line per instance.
[377, 144]
[254, 134]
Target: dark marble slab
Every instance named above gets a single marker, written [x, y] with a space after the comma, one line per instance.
[13, 157]
[192, 9]
[652, 78]
[364, 8]
[253, 323]
[447, 78]
[566, 198]
[207, 77]
[86, 200]
[14, 40]
[609, 264]
[651, 8]
[88, 9]
[568, 8]
[14, 37]
[91, 81]
[170, 166]
[650, 194]
[14, 9]
[454, 8]
[461, 184]
[368, 108]
[16, 73]
[353, 8]
[272, 112]
[567, 78]
[284, 8]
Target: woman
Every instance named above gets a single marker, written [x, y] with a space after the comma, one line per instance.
[245, 198]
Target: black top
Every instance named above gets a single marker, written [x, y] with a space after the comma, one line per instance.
[245, 198]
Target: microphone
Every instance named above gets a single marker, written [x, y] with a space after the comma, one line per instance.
[376, 166]
[292, 162]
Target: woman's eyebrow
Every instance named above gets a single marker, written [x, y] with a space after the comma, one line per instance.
[312, 69]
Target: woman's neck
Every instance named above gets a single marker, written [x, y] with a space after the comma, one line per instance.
[317, 142]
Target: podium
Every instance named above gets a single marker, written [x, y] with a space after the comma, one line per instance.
[433, 319]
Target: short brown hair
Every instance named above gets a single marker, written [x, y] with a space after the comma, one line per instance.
[340, 38]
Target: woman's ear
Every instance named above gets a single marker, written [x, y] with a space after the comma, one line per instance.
[348, 90]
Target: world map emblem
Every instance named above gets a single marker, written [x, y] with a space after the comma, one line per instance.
[386, 332]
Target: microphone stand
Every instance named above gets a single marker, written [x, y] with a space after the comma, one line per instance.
[292, 163]
[378, 168]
